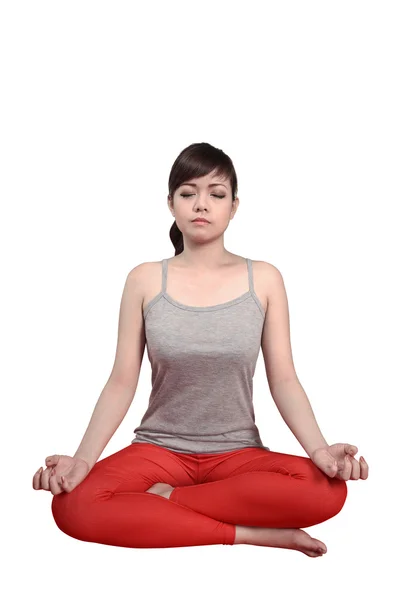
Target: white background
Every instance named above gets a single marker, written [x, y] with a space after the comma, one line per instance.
[97, 100]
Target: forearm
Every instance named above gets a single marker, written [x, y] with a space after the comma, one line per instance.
[295, 409]
[110, 409]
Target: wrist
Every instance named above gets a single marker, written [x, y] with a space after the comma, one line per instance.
[86, 461]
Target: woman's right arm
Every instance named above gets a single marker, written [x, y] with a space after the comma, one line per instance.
[119, 391]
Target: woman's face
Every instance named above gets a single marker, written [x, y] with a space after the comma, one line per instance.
[209, 197]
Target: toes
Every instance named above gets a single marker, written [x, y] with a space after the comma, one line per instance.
[319, 546]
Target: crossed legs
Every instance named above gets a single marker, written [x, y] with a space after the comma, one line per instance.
[252, 496]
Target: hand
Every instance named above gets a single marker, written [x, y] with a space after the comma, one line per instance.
[63, 474]
[338, 461]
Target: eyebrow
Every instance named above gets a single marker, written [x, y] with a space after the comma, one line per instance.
[210, 185]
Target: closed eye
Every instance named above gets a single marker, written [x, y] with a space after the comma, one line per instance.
[187, 195]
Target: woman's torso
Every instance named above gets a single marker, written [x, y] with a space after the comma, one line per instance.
[203, 334]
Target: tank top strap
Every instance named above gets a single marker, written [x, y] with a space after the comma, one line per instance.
[250, 273]
[164, 275]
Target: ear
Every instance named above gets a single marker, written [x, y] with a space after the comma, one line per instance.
[169, 203]
[235, 207]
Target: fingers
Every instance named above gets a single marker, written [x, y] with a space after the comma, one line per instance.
[346, 471]
[44, 479]
[36, 479]
[355, 468]
[364, 468]
[352, 468]
[41, 479]
[55, 487]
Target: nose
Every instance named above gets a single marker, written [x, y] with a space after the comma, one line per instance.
[201, 203]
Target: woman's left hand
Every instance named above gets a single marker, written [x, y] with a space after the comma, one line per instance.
[338, 461]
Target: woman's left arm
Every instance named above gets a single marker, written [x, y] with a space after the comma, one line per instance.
[295, 409]
[288, 393]
[286, 389]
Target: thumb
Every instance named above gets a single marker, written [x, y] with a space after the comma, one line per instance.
[65, 484]
[52, 460]
[326, 462]
[332, 469]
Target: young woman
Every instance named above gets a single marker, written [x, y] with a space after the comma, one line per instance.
[197, 472]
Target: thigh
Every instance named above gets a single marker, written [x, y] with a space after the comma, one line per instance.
[259, 459]
[135, 468]
[284, 476]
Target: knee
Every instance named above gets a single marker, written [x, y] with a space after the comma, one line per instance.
[63, 507]
[335, 497]
[68, 513]
[329, 494]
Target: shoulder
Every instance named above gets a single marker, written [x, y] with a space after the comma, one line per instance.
[268, 275]
[143, 274]
[142, 270]
[267, 270]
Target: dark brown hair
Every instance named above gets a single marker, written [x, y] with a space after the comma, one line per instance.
[198, 160]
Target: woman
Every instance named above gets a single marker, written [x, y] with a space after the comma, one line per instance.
[197, 472]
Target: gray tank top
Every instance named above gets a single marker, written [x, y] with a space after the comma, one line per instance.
[203, 361]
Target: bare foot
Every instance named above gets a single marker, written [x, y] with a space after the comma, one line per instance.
[161, 489]
[294, 539]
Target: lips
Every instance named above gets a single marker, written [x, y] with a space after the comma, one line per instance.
[202, 220]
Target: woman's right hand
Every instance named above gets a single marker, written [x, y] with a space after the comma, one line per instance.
[62, 474]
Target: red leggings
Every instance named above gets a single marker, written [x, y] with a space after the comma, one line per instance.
[213, 492]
